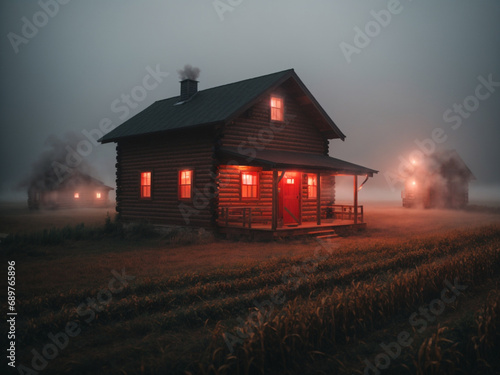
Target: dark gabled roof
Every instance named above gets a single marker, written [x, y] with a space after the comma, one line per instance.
[216, 105]
[48, 181]
[451, 160]
[79, 178]
[288, 159]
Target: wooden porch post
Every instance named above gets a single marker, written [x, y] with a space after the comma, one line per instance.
[355, 199]
[274, 213]
[318, 197]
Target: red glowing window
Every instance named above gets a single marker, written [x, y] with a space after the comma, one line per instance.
[146, 185]
[249, 185]
[77, 195]
[290, 181]
[185, 184]
[98, 195]
[312, 184]
[277, 108]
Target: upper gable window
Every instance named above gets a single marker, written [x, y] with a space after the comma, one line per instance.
[277, 108]
[185, 184]
[145, 185]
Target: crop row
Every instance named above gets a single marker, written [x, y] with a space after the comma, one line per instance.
[194, 308]
[185, 289]
[470, 347]
[307, 325]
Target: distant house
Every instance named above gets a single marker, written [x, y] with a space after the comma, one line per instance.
[76, 191]
[251, 155]
[440, 180]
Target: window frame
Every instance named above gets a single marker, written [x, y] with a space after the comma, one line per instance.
[256, 174]
[272, 109]
[142, 186]
[179, 185]
[312, 187]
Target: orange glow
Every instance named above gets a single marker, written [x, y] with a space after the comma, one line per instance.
[242, 167]
[146, 185]
[312, 186]
[414, 183]
[185, 183]
[414, 162]
[249, 184]
[98, 195]
[277, 108]
[77, 195]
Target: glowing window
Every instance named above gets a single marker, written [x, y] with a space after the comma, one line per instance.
[290, 181]
[312, 185]
[249, 185]
[277, 108]
[185, 184]
[146, 185]
[98, 195]
[77, 195]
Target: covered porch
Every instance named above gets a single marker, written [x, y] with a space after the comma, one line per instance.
[292, 193]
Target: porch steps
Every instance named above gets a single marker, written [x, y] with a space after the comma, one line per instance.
[326, 234]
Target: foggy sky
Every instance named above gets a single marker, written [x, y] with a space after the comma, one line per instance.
[393, 92]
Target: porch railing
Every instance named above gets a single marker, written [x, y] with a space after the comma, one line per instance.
[345, 212]
[244, 215]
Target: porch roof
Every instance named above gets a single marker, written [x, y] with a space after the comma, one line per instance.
[297, 160]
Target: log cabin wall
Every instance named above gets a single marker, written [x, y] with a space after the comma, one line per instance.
[254, 129]
[65, 198]
[229, 183]
[296, 133]
[309, 205]
[86, 197]
[164, 156]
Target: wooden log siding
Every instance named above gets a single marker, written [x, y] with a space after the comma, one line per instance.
[164, 156]
[229, 183]
[309, 205]
[297, 133]
[65, 198]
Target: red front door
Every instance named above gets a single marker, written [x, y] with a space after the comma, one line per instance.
[290, 198]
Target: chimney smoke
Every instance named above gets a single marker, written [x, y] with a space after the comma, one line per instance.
[189, 72]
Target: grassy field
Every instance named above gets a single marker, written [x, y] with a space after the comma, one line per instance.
[416, 293]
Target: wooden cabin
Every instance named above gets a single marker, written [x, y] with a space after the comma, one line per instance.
[251, 155]
[76, 191]
[440, 180]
